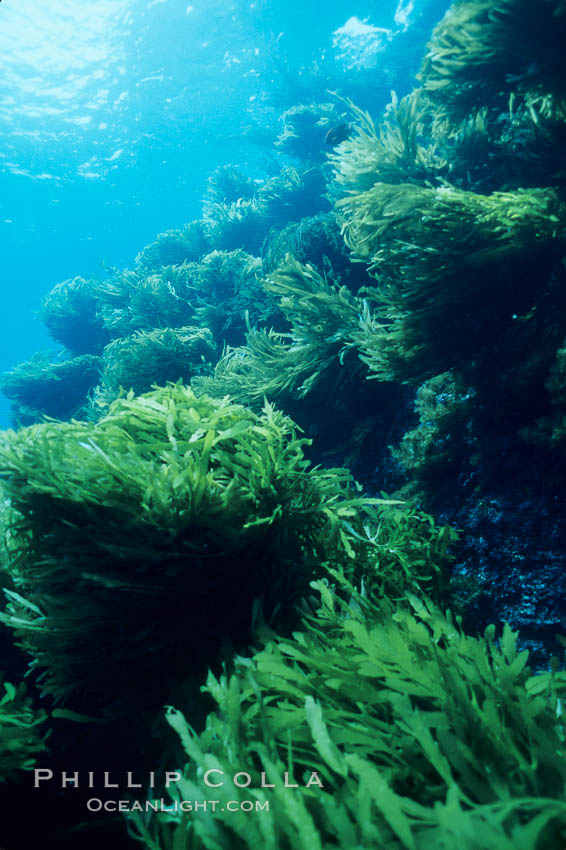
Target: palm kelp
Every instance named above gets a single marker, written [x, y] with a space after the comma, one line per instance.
[315, 240]
[48, 386]
[318, 348]
[71, 314]
[137, 299]
[484, 51]
[174, 513]
[448, 259]
[174, 247]
[377, 725]
[456, 204]
[149, 358]
[305, 128]
[397, 288]
[226, 288]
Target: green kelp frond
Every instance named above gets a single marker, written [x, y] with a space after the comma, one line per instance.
[240, 224]
[144, 539]
[322, 317]
[316, 240]
[397, 730]
[48, 386]
[292, 195]
[305, 128]
[482, 51]
[396, 152]
[187, 244]
[477, 147]
[406, 231]
[318, 348]
[227, 184]
[227, 285]
[266, 367]
[135, 299]
[20, 736]
[448, 262]
[146, 358]
[71, 313]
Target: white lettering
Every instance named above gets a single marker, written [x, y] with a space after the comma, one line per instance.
[213, 784]
[48, 774]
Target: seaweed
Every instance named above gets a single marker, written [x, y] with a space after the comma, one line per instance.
[227, 184]
[447, 261]
[443, 406]
[313, 239]
[318, 349]
[293, 194]
[49, 386]
[144, 539]
[399, 150]
[481, 52]
[227, 287]
[184, 245]
[305, 128]
[393, 728]
[71, 313]
[149, 358]
[241, 224]
[135, 299]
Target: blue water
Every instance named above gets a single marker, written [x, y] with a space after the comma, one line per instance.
[113, 112]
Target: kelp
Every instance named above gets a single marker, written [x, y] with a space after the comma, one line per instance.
[135, 299]
[395, 729]
[551, 429]
[144, 539]
[481, 52]
[304, 130]
[184, 245]
[315, 240]
[147, 358]
[227, 287]
[21, 738]
[418, 141]
[321, 315]
[265, 367]
[447, 262]
[292, 195]
[399, 150]
[477, 148]
[227, 184]
[317, 349]
[71, 313]
[50, 386]
[241, 224]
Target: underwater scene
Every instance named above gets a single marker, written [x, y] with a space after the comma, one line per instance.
[283, 425]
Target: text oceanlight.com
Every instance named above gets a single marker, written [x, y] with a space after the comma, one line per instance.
[97, 805]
